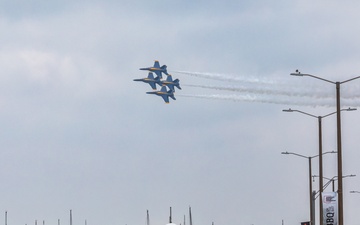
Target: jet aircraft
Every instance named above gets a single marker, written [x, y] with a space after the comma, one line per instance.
[157, 69]
[170, 83]
[150, 80]
[164, 93]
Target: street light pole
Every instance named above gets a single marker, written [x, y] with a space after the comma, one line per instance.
[311, 208]
[321, 213]
[311, 195]
[321, 184]
[339, 150]
[311, 199]
[339, 158]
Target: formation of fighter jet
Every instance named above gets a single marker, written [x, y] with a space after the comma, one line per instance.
[164, 84]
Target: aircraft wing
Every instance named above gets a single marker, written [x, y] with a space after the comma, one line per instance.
[166, 98]
[158, 73]
[152, 85]
[171, 87]
[157, 64]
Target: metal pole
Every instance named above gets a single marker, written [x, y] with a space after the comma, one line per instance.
[320, 172]
[313, 205]
[339, 158]
[312, 221]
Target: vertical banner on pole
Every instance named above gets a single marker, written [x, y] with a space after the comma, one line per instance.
[330, 208]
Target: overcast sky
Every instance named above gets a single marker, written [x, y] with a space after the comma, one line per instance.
[78, 133]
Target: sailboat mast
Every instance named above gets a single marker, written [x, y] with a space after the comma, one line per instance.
[170, 219]
[190, 215]
[147, 218]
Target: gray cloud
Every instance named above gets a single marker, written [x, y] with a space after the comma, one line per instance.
[78, 133]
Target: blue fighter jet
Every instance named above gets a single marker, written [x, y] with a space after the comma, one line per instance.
[164, 93]
[170, 83]
[157, 69]
[150, 80]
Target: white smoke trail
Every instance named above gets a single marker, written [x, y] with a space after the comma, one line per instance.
[278, 87]
[351, 91]
[274, 85]
[266, 90]
[351, 102]
[224, 77]
[265, 99]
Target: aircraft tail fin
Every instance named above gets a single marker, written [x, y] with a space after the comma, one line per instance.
[157, 80]
[171, 94]
[177, 84]
[164, 69]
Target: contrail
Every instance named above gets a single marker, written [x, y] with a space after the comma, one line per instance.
[265, 90]
[351, 92]
[275, 86]
[266, 99]
[224, 77]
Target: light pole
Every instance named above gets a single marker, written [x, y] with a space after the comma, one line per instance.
[339, 156]
[320, 151]
[311, 198]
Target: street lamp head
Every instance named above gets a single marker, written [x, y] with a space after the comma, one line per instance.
[297, 73]
[288, 110]
[285, 153]
[350, 109]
